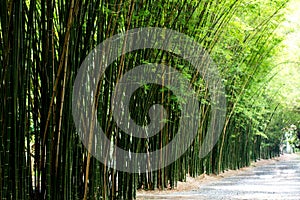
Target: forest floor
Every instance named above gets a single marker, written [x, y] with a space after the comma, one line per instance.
[193, 184]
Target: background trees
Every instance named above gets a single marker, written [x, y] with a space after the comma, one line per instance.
[42, 45]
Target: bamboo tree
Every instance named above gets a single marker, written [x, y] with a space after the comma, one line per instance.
[43, 44]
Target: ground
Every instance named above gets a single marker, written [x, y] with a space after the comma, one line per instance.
[194, 185]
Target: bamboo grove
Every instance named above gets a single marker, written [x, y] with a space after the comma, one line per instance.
[42, 46]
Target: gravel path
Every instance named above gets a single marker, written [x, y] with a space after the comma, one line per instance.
[276, 180]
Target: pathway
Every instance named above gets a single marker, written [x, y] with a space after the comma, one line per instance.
[279, 180]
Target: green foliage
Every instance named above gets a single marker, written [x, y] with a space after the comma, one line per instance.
[42, 45]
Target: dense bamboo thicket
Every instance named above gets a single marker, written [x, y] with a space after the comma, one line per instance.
[42, 45]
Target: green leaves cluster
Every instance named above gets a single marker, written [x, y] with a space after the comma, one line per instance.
[42, 45]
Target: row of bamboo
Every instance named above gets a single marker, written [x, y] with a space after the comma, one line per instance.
[42, 46]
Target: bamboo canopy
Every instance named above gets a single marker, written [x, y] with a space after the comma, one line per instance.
[42, 47]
